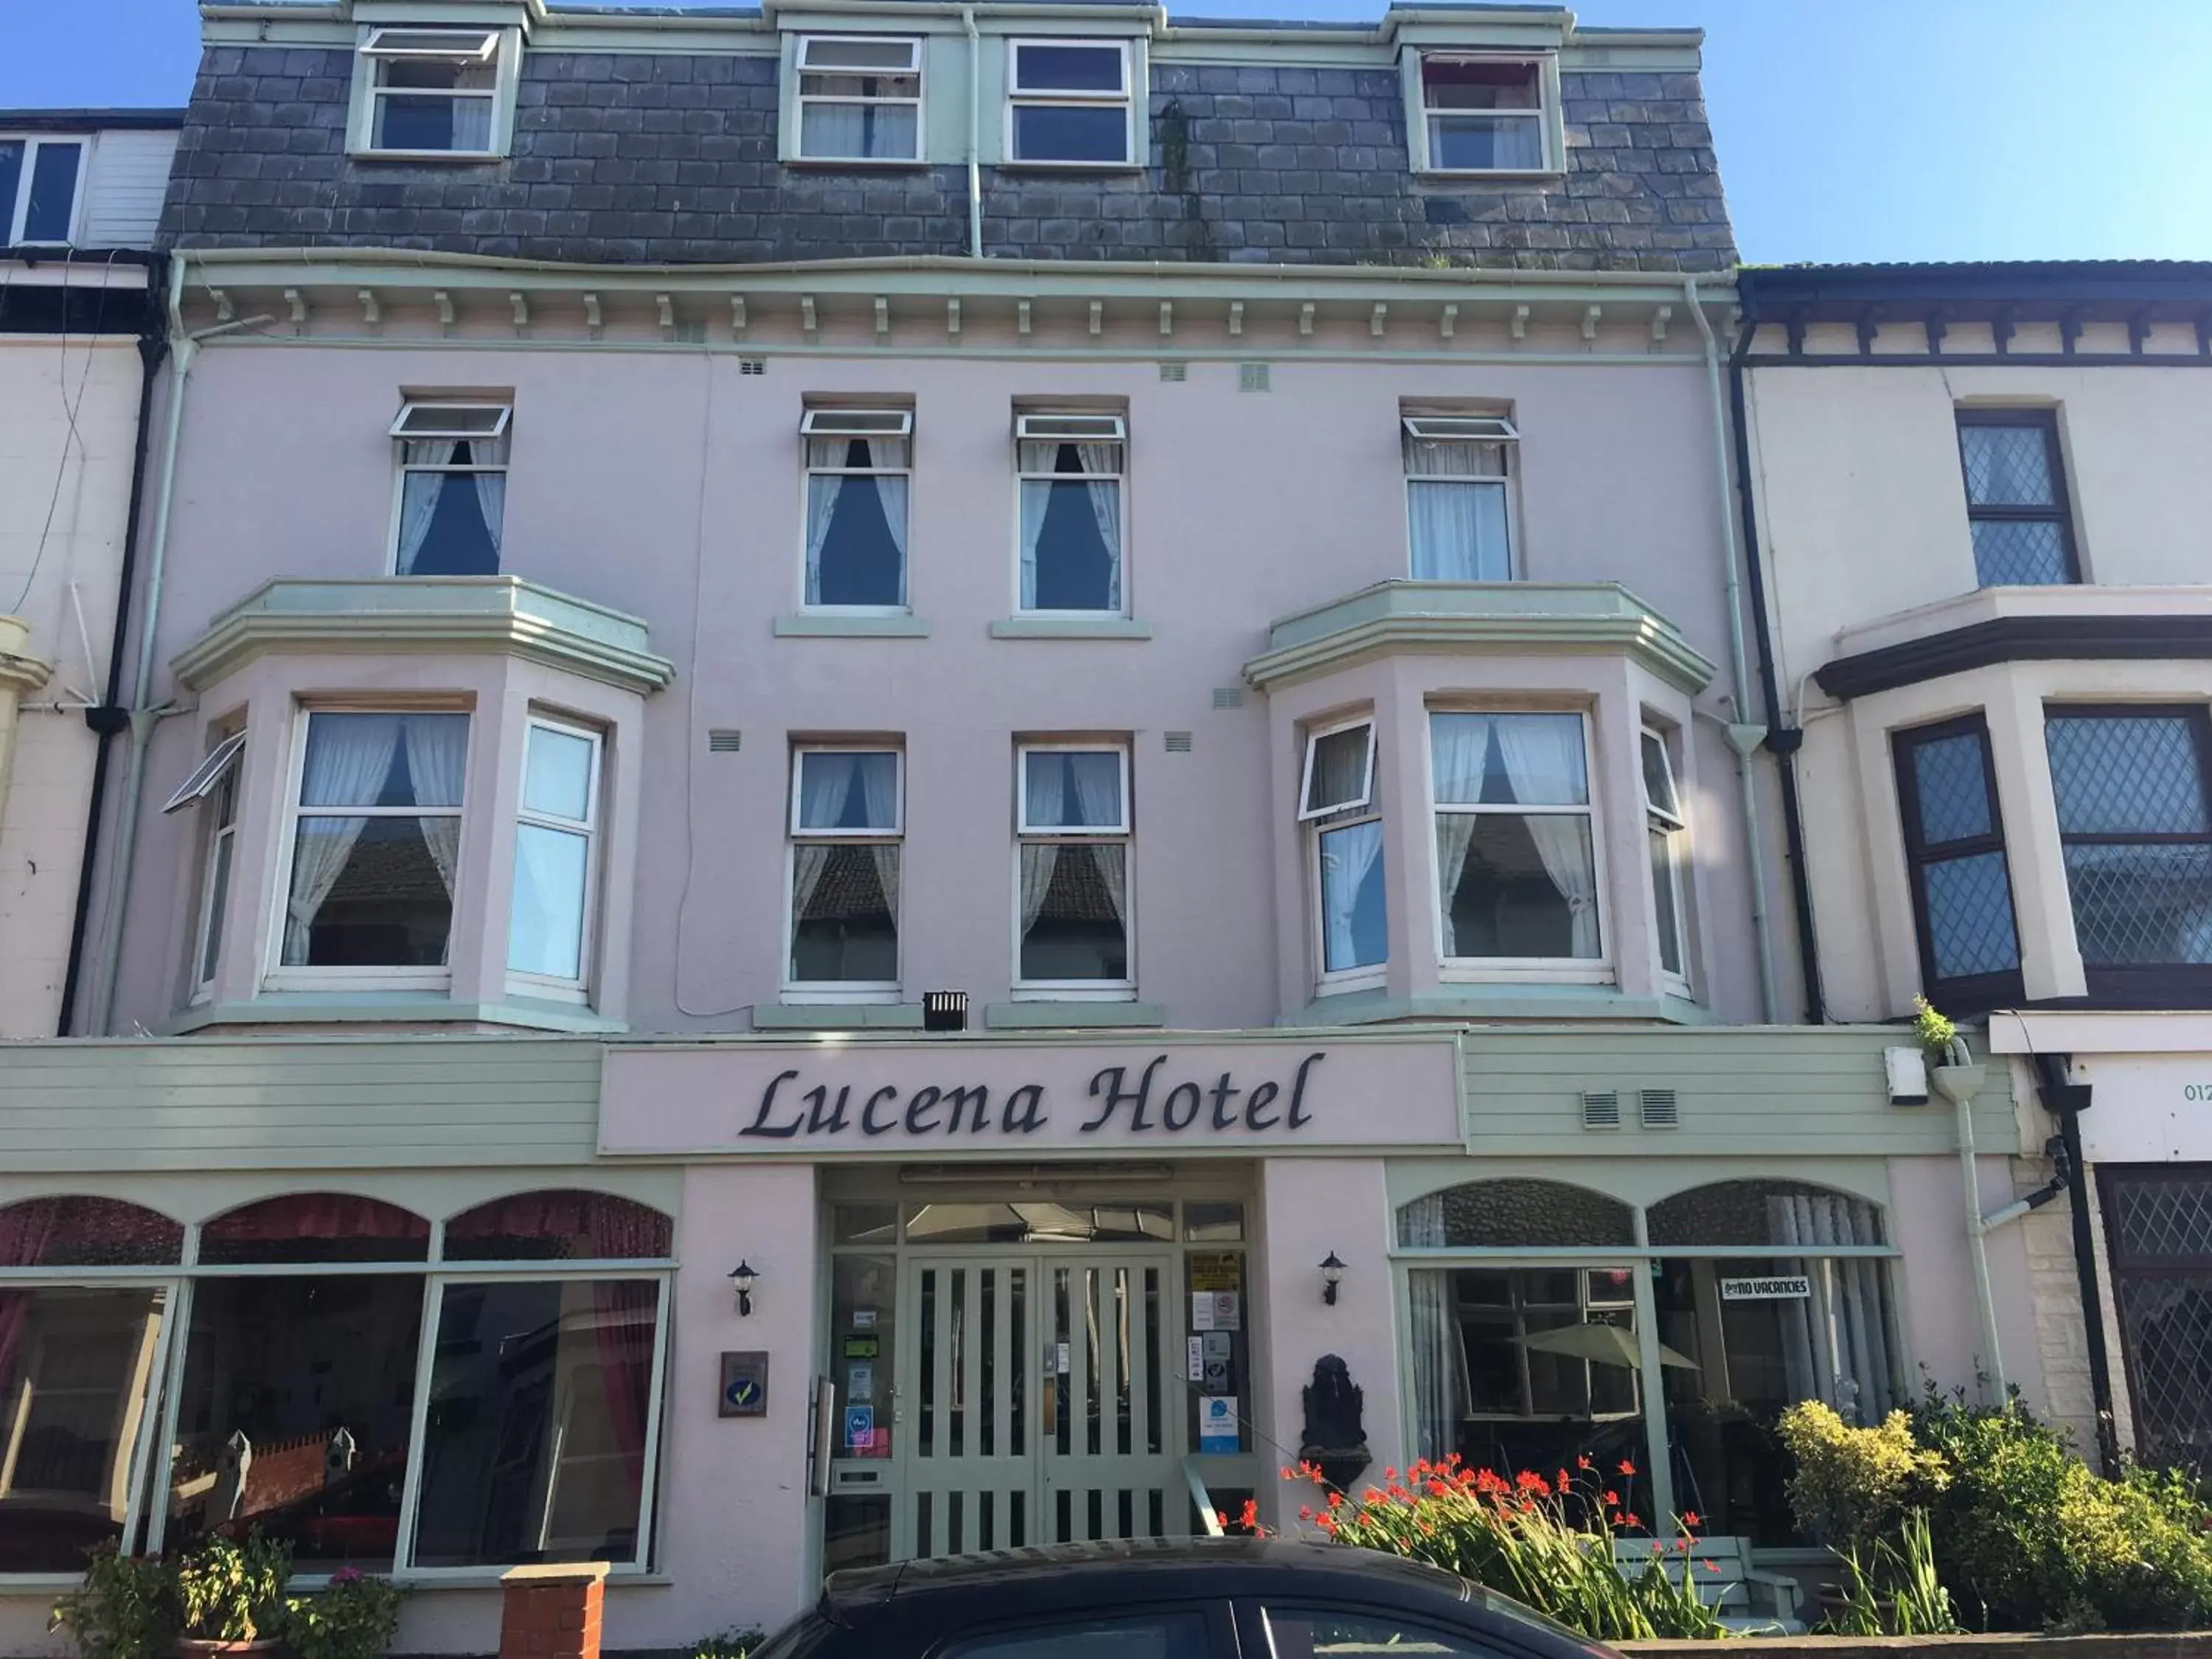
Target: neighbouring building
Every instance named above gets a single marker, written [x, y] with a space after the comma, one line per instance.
[82, 330]
[900, 762]
[1980, 517]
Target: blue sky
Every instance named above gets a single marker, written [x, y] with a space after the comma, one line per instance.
[1847, 129]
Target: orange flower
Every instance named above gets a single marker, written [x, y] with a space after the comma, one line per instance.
[1613, 1498]
[1529, 1481]
[1305, 1512]
[1712, 1566]
[1584, 1463]
[1336, 1500]
[1289, 1474]
[1249, 1520]
[1627, 1467]
[1690, 1518]
[1439, 1489]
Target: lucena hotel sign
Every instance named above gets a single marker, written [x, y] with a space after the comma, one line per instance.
[992, 1098]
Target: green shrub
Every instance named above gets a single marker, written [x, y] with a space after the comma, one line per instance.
[728, 1645]
[355, 1618]
[126, 1608]
[229, 1591]
[1851, 1484]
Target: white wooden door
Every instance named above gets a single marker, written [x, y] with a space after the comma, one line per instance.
[1034, 1403]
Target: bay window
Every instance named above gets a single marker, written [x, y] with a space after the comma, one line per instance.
[1336, 795]
[1068, 103]
[1954, 853]
[857, 471]
[1073, 868]
[1458, 517]
[846, 829]
[1515, 859]
[1482, 114]
[374, 832]
[860, 98]
[2134, 792]
[215, 782]
[453, 487]
[1666, 832]
[430, 92]
[1070, 470]
[548, 925]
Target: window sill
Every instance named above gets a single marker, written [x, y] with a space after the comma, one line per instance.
[1071, 628]
[1499, 1002]
[388, 1008]
[1351, 982]
[1009, 165]
[874, 163]
[1050, 1016]
[465, 157]
[836, 1016]
[810, 624]
[1475, 175]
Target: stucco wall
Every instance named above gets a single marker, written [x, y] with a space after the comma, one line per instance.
[64, 496]
[668, 485]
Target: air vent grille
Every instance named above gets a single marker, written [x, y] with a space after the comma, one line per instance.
[688, 330]
[752, 365]
[1175, 374]
[1659, 1108]
[1601, 1110]
[724, 740]
[1178, 742]
[1228, 696]
[1253, 377]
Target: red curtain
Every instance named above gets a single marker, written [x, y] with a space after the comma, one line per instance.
[601, 1225]
[316, 1215]
[75, 1231]
[625, 1309]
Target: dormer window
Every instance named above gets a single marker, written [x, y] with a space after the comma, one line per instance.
[1482, 114]
[860, 98]
[41, 180]
[431, 92]
[1068, 103]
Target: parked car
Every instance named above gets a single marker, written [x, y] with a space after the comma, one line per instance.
[1204, 1598]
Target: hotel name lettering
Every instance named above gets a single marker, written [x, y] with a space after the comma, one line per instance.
[1124, 1099]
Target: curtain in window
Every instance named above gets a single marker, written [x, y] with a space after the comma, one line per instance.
[346, 764]
[1347, 855]
[1106, 507]
[1098, 798]
[1535, 750]
[1457, 528]
[437, 755]
[878, 775]
[833, 130]
[1458, 747]
[825, 783]
[418, 498]
[472, 122]
[821, 510]
[1441, 1390]
[1036, 497]
[626, 1310]
[1045, 803]
[491, 501]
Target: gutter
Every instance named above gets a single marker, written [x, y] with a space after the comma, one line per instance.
[1784, 738]
[1744, 734]
[109, 718]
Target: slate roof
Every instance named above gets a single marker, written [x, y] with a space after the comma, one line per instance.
[670, 158]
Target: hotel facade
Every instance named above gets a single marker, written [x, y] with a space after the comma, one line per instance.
[915, 778]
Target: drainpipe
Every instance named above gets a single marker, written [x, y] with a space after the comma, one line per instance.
[1744, 735]
[144, 715]
[1784, 738]
[1959, 1080]
[974, 133]
[109, 718]
[2066, 1102]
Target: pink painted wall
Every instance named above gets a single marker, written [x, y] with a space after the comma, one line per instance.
[1942, 1319]
[666, 485]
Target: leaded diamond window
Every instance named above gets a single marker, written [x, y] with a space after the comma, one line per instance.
[1955, 845]
[2134, 825]
[2017, 497]
[2158, 1229]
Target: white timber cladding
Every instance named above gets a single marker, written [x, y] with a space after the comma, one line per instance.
[130, 171]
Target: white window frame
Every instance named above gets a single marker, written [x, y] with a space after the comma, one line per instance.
[1123, 835]
[1541, 970]
[1307, 809]
[1676, 827]
[1018, 95]
[215, 779]
[1072, 427]
[1549, 136]
[832, 991]
[17, 211]
[832, 421]
[413, 43]
[280, 977]
[800, 98]
[419, 421]
[577, 988]
[1467, 429]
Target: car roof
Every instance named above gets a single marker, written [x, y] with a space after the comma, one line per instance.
[1143, 1567]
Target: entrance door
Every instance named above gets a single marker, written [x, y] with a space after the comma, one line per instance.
[1034, 1403]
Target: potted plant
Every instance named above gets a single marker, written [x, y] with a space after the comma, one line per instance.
[356, 1617]
[230, 1596]
[1951, 1069]
[125, 1608]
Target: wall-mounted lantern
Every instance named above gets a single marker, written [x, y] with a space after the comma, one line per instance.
[1332, 1275]
[741, 1280]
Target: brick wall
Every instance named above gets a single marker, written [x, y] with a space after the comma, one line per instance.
[2061, 1333]
[672, 158]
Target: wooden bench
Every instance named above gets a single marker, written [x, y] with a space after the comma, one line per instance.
[1746, 1597]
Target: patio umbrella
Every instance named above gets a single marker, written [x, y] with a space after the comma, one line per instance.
[1608, 1345]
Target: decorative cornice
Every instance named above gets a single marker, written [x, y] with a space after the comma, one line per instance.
[419, 614]
[1553, 618]
[20, 671]
[2018, 639]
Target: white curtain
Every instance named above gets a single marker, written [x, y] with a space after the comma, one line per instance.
[437, 756]
[418, 499]
[833, 130]
[491, 501]
[878, 775]
[1098, 800]
[1457, 532]
[1536, 749]
[1458, 746]
[1036, 496]
[348, 760]
[825, 783]
[1347, 856]
[825, 489]
[1106, 507]
[821, 489]
[1044, 805]
[472, 124]
[1442, 1390]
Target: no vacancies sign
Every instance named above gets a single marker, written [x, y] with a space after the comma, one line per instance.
[1783, 1287]
[990, 1098]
